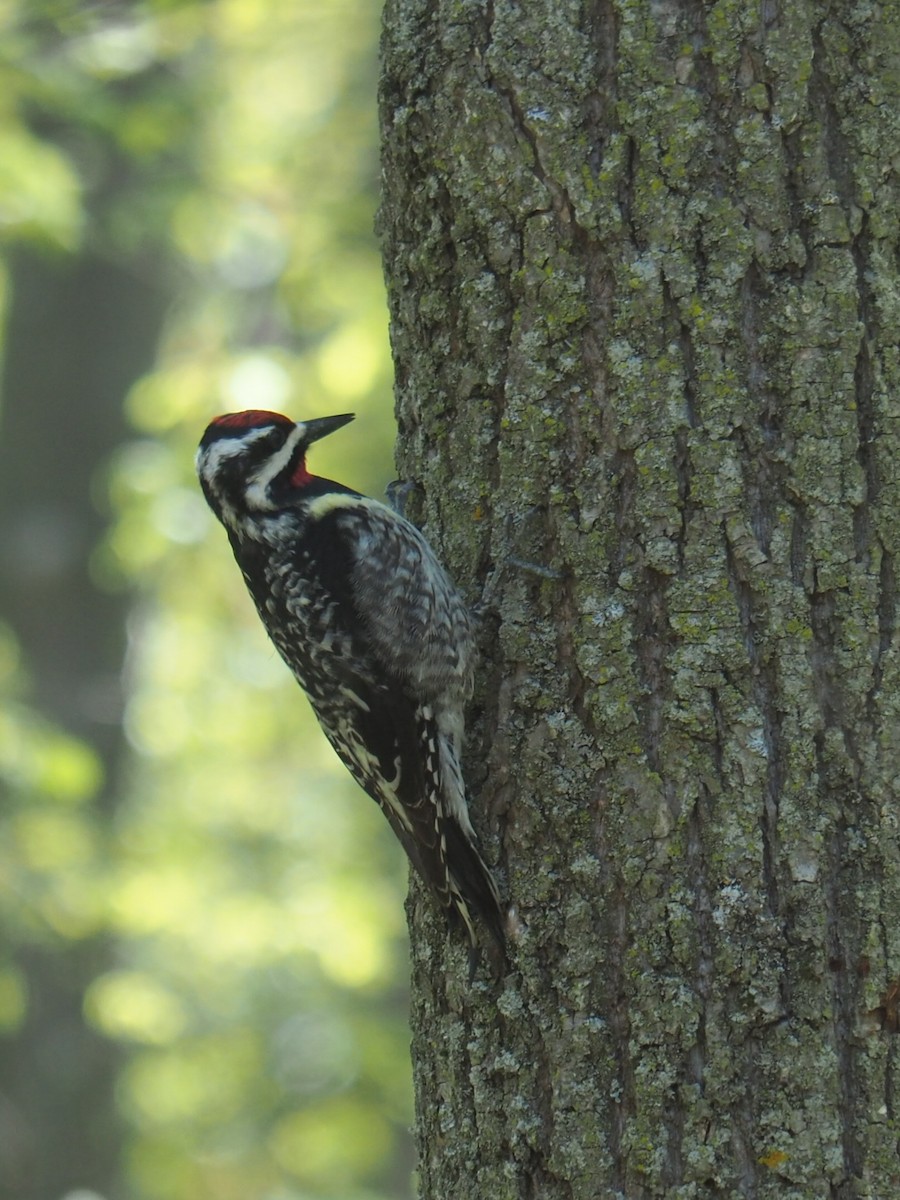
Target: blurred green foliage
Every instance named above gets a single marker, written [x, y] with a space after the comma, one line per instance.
[246, 897]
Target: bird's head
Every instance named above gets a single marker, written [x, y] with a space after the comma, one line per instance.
[254, 462]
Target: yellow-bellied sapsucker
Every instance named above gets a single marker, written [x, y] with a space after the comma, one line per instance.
[373, 630]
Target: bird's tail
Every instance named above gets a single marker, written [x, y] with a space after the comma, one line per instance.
[475, 889]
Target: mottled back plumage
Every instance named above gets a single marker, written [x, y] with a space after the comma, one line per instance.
[375, 633]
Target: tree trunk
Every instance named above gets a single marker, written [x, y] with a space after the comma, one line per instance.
[78, 332]
[641, 261]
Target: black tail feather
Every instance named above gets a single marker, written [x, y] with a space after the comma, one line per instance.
[476, 884]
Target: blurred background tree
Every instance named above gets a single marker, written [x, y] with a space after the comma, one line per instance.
[202, 993]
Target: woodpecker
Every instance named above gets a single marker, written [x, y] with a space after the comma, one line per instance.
[377, 636]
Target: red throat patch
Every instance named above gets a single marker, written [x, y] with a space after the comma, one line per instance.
[301, 477]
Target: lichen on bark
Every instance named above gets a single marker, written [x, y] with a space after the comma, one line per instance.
[640, 261]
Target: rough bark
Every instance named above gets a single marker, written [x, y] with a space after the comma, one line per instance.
[641, 262]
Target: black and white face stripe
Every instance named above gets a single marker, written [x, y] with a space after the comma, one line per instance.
[258, 484]
[237, 464]
[213, 456]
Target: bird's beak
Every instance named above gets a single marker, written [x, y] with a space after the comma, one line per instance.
[322, 426]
